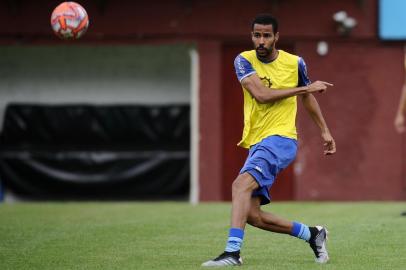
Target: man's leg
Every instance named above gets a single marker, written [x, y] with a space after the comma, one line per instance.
[315, 236]
[267, 221]
[242, 189]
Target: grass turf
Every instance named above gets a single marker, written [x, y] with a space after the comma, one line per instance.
[180, 236]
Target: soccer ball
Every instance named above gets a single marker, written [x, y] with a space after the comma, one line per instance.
[69, 20]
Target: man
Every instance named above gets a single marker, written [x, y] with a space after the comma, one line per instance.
[400, 114]
[271, 80]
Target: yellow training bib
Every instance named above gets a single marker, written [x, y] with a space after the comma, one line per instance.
[276, 118]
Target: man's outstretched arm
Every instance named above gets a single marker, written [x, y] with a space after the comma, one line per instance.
[266, 95]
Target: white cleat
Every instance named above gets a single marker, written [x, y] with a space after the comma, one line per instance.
[318, 244]
[225, 259]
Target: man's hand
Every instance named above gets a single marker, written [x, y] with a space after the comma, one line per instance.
[400, 123]
[318, 86]
[329, 143]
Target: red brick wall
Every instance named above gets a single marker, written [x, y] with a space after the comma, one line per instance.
[220, 20]
[359, 109]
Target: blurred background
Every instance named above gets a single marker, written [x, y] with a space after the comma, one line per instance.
[146, 105]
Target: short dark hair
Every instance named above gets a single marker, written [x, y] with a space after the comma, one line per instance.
[265, 19]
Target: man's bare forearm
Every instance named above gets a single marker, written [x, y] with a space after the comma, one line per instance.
[312, 107]
[266, 95]
[402, 103]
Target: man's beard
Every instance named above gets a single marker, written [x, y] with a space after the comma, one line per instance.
[263, 52]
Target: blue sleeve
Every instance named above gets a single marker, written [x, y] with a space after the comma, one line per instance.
[303, 77]
[243, 68]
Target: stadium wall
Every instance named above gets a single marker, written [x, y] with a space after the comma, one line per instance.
[367, 73]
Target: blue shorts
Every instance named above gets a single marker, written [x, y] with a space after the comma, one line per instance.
[266, 159]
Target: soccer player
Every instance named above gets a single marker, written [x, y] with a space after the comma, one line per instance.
[271, 80]
[400, 114]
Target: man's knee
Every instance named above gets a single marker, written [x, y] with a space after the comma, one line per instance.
[254, 219]
[254, 215]
[244, 183]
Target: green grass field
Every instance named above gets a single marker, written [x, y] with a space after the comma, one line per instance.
[181, 236]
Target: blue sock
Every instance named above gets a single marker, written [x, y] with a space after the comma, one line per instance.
[235, 237]
[301, 231]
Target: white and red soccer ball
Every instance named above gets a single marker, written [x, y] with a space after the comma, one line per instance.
[69, 20]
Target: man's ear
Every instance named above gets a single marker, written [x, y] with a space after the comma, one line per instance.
[252, 36]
